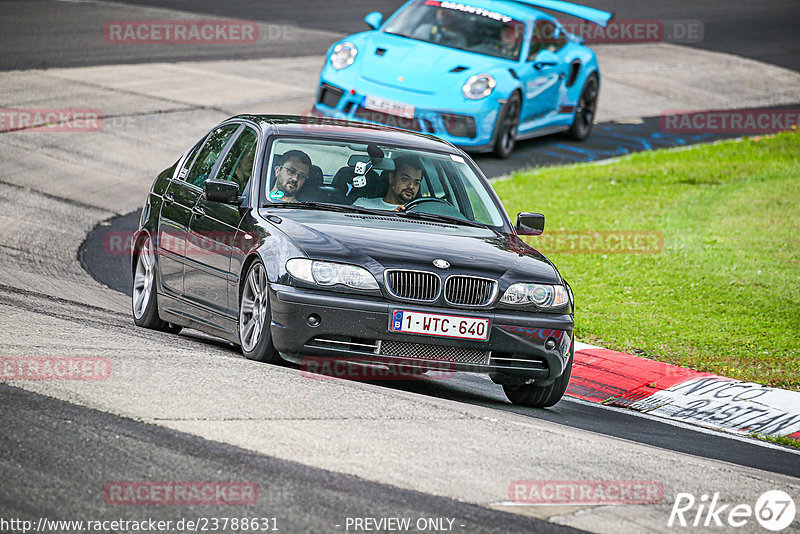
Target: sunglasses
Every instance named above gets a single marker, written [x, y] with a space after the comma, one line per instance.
[294, 172]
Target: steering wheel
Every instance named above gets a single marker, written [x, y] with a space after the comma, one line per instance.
[420, 200]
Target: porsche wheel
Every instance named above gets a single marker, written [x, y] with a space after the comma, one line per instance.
[255, 317]
[507, 126]
[585, 111]
[144, 301]
[534, 396]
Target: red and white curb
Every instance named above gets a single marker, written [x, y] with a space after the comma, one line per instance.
[660, 389]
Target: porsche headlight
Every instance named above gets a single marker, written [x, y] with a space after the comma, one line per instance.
[325, 273]
[478, 86]
[344, 54]
[540, 295]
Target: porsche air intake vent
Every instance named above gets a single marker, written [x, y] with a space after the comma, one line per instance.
[413, 285]
[469, 290]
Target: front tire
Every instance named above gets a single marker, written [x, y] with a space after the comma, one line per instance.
[255, 317]
[507, 127]
[533, 396]
[585, 110]
[144, 298]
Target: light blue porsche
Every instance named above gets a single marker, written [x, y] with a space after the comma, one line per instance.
[481, 74]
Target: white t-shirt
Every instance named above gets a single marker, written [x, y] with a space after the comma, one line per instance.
[375, 204]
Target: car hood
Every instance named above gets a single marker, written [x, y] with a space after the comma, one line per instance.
[380, 243]
[418, 66]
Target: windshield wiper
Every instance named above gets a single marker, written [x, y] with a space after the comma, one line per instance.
[441, 218]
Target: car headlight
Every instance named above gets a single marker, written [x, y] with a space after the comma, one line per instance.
[325, 273]
[478, 86]
[344, 55]
[541, 295]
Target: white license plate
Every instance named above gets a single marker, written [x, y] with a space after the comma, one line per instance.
[433, 324]
[389, 106]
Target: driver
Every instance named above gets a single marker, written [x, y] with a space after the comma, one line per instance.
[290, 176]
[404, 184]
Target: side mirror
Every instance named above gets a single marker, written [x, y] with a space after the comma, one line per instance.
[545, 58]
[224, 191]
[530, 223]
[374, 20]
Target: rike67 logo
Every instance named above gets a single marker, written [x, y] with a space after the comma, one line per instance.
[774, 510]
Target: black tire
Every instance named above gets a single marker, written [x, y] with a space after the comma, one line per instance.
[255, 318]
[585, 110]
[506, 127]
[144, 294]
[533, 396]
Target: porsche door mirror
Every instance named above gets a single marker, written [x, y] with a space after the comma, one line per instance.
[545, 58]
[374, 20]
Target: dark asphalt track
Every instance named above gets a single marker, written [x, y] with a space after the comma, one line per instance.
[41, 33]
[57, 458]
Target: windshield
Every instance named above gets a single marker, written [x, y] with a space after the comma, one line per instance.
[457, 25]
[377, 178]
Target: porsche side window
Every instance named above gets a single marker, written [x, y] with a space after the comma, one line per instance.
[546, 36]
[204, 163]
[238, 163]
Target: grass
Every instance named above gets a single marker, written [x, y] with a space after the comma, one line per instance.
[779, 440]
[723, 294]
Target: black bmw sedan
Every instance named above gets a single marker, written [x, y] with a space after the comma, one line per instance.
[305, 238]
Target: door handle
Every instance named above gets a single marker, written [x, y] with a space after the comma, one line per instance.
[198, 212]
[168, 199]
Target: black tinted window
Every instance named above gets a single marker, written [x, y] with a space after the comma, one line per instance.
[238, 163]
[204, 163]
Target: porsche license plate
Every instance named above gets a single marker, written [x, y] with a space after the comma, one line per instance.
[433, 324]
[389, 106]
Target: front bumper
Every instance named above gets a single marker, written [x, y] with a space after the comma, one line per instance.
[355, 328]
[465, 123]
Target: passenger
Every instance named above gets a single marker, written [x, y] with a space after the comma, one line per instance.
[404, 183]
[290, 176]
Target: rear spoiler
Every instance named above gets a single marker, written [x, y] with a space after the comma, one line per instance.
[595, 16]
